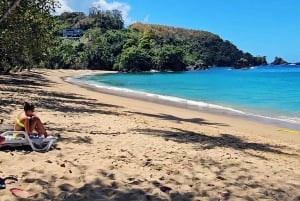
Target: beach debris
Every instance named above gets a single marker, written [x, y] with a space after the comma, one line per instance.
[62, 165]
[220, 178]
[10, 180]
[288, 131]
[19, 193]
[136, 182]
[48, 161]
[224, 194]
[148, 163]
[156, 184]
[165, 189]
[7, 180]
[2, 184]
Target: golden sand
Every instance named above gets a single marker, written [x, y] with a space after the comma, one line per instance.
[116, 148]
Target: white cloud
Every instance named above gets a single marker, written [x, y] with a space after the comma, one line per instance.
[63, 7]
[123, 7]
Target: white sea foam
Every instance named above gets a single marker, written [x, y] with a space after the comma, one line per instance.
[292, 122]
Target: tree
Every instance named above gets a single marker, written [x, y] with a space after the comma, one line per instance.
[170, 57]
[106, 19]
[74, 20]
[134, 59]
[24, 32]
[9, 10]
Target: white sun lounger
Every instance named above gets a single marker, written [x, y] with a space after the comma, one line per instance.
[39, 144]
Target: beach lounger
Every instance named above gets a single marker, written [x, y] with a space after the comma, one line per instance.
[39, 144]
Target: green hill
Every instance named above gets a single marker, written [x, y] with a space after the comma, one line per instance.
[142, 47]
[107, 45]
[200, 47]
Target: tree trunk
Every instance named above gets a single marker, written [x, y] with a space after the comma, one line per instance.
[9, 10]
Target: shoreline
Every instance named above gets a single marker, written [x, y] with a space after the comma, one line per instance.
[183, 103]
[250, 125]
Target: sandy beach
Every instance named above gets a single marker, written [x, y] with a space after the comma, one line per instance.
[117, 148]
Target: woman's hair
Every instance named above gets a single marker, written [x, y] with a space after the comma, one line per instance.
[28, 106]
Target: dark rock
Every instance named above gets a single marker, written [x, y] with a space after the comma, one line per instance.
[279, 61]
[242, 63]
[198, 66]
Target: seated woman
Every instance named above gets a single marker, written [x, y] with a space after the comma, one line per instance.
[27, 121]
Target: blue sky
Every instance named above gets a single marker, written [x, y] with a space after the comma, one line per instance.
[261, 27]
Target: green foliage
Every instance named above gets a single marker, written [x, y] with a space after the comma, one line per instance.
[72, 19]
[134, 59]
[106, 19]
[144, 47]
[101, 19]
[31, 36]
[24, 33]
[197, 47]
[169, 57]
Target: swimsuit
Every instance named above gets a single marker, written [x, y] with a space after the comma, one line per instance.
[19, 123]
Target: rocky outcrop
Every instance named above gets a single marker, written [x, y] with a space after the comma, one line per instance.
[197, 67]
[242, 63]
[279, 61]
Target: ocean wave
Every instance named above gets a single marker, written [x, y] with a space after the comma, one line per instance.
[186, 103]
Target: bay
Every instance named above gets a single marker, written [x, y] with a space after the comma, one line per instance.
[266, 91]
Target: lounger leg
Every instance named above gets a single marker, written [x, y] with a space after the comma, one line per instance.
[47, 142]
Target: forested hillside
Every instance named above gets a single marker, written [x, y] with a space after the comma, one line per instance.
[31, 36]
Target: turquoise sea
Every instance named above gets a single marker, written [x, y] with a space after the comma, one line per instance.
[268, 93]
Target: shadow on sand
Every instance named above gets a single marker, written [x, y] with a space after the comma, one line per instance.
[203, 141]
[169, 117]
[98, 191]
[19, 89]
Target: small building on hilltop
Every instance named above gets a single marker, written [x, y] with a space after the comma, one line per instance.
[73, 32]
